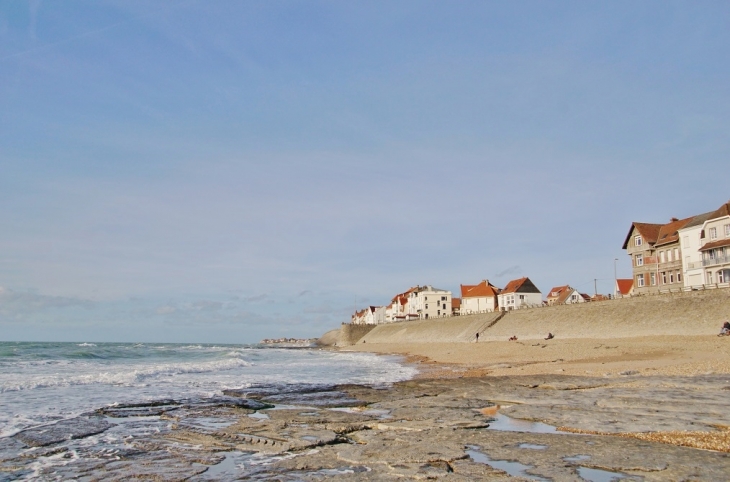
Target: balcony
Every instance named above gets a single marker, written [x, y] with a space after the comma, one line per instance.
[716, 260]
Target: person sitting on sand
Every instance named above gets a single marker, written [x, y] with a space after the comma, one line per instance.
[725, 331]
[513, 338]
[550, 336]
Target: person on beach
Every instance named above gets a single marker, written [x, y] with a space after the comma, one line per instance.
[477, 337]
[725, 331]
[550, 336]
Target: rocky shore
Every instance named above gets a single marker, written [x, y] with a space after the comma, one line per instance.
[537, 427]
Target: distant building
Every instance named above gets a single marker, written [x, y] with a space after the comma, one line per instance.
[429, 302]
[565, 295]
[478, 298]
[455, 306]
[398, 309]
[624, 287]
[518, 294]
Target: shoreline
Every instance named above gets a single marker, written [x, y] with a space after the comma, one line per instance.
[462, 417]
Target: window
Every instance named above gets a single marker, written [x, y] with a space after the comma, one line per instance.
[727, 230]
[522, 297]
[664, 277]
[661, 257]
[685, 242]
[639, 260]
[443, 298]
[639, 280]
[709, 278]
[671, 277]
[638, 241]
[679, 276]
[669, 256]
[713, 233]
[444, 307]
[427, 306]
[676, 254]
[652, 278]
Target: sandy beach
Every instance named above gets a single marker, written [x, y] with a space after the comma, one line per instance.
[647, 355]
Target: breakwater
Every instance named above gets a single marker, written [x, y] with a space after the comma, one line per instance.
[681, 314]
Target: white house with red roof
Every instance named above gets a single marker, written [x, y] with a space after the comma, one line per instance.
[479, 298]
[565, 295]
[399, 308]
[518, 294]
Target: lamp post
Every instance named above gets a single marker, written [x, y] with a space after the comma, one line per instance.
[615, 279]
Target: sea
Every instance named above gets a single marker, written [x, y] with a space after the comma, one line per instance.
[45, 388]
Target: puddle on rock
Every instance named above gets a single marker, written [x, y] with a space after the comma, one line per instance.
[377, 412]
[577, 458]
[507, 424]
[598, 475]
[515, 469]
[225, 469]
[259, 415]
[532, 446]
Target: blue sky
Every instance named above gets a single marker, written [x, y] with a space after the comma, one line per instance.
[226, 171]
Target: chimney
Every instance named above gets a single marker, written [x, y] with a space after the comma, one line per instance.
[673, 220]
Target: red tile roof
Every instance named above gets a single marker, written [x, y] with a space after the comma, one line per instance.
[715, 244]
[624, 285]
[555, 292]
[455, 303]
[661, 234]
[483, 289]
[560, 293]
[668, 232]
[517, 284]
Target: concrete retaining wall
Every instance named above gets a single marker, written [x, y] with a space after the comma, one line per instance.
[460, 328]
[686, 313]
[350, 334]
[330, 338]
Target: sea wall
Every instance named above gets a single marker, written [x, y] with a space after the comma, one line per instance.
[685, 313]
[330, 338]
[459, 329]
[350, 334]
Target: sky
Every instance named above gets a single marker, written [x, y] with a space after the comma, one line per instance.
[194, 171]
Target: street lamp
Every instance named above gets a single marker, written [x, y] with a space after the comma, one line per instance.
[615, 279]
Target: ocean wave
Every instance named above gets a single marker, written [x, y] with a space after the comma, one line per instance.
[124, 376]
[86, 344]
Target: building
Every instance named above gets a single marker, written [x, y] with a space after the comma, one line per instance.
[518, 294]
[677, 254]
[479, 298]
[428, 302]
[455, 306]
[656, 256]
[715, 247]
[624, 287]
[398, 309]
[565, 295]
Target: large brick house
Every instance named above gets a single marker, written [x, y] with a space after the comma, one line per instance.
[656, 251]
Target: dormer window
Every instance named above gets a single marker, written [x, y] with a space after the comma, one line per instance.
[713, 233]
[638, 241]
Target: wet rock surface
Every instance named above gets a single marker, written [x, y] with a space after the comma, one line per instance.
[74, 428]
[416, 430]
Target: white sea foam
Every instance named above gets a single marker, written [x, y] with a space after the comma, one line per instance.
[42, 383]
